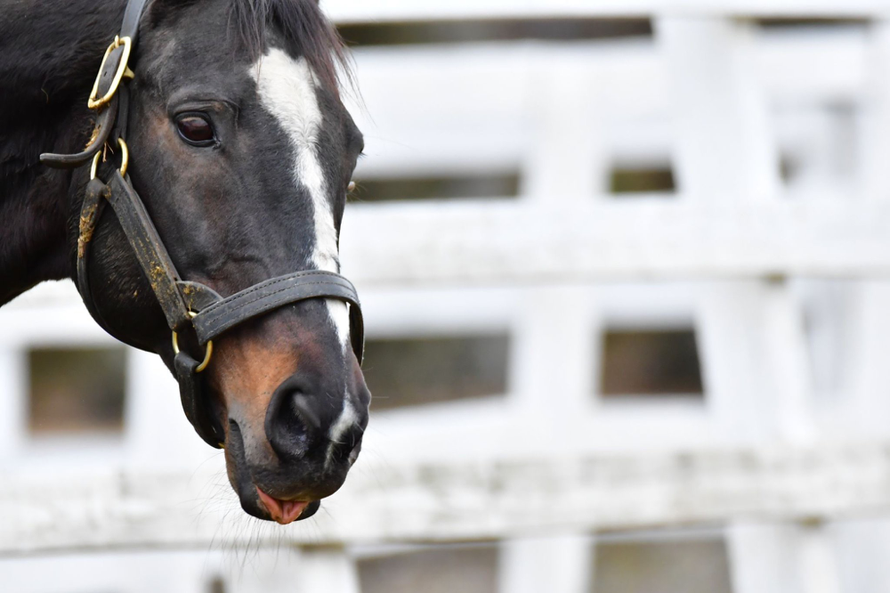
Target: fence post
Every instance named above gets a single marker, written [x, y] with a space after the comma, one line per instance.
[291, 569]
[556, 564]
[327, 570]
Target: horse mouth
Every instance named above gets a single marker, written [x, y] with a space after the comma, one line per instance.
[286, 511]
[255, 500]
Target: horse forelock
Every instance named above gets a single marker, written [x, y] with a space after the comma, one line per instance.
[304, 28]
[299, 24]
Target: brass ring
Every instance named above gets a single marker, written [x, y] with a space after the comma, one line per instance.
[94, 102]
[208, 350]
[125, 156]
[95, 165]
[125, 160]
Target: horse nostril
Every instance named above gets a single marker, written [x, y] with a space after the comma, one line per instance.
[290, 420]
[303, 410]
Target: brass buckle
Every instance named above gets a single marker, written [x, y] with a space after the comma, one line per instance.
[208, 350]
[125, 159]
[122, 70]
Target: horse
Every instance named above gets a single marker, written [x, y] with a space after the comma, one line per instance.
[223, 147]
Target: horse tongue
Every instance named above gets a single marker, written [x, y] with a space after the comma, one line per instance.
[283, 511]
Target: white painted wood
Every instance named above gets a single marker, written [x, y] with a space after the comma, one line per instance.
[545, 465]
[158, 436]
[566, 157]
[328, 569]
[732, 342]
[45, 294]
[345, 11]
[829, 309]
[53, 316]
[486, 242]
[557, 563]
[723, 148]
[870, 384]
[817, 560]
[406, 311]
[783, 558]
[460, 500]
[875, 146]
[552, 375]
[13, 404]
[268, 571]
[762, 558]
[489, 97]
[788, 364]
[122, 572]
[552, 354]
[863, 554]
[286, 569]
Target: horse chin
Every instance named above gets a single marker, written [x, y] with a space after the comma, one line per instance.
[253, 497]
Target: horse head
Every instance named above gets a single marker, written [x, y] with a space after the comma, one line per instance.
[242, 152]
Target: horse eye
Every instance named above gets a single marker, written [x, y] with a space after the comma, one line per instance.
[195, 129]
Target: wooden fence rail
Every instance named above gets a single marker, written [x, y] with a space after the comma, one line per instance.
[456, 501]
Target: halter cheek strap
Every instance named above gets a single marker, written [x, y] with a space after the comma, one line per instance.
[185, 304]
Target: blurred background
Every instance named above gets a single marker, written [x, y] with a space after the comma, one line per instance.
[624, 266]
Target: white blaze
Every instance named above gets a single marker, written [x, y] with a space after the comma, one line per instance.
[347, 419]
[287, 90]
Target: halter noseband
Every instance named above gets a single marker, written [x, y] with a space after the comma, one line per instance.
[185, 304]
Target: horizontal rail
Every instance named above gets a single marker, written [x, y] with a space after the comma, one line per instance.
[349, 11]
[488, 99]
[459, 501]
[613, 239]
[511, 241]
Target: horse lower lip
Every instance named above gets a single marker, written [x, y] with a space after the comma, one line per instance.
[282, 511]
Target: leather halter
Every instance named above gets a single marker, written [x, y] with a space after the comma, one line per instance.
[185, 304]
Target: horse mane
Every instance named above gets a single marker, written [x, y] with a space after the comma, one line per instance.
[48, 57]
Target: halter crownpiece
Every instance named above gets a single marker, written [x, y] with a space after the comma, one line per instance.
[185, 304]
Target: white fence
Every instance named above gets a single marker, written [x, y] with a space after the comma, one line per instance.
[783, 280]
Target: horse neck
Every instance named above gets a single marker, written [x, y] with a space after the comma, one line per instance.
[48, 58]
